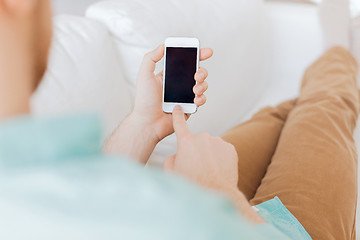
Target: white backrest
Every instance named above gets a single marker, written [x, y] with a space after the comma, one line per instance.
[84, 74]
[234, 29]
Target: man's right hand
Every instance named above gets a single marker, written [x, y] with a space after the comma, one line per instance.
[210, 162]
[207, 160]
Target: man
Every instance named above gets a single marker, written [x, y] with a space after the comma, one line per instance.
[55, 182]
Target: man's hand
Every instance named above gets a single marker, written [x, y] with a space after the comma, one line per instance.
[139, 133]
[208, 161]
[148, 101]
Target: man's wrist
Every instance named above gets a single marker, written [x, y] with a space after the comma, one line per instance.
[144, 127]
[134, 138]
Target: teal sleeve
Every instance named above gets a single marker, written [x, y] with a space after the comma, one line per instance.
[275, 213]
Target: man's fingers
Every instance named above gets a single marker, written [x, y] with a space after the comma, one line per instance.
[200, 100]
[169, 163]
[180, 126]
[201, 75]
[150, 59]
[200, 88]
[205, 53]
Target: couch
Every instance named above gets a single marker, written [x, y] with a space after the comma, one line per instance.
[261, 51]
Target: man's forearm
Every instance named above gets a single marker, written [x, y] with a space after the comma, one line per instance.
[132, 139]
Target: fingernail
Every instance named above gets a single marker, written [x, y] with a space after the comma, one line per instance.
[177, 107]
[202, 74]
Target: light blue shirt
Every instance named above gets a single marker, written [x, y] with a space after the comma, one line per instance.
[55, 183]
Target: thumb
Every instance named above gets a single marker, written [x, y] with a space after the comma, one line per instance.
[169, 163]
[150, 59]
[180, 126]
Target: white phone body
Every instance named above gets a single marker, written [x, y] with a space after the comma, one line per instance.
[189, 107]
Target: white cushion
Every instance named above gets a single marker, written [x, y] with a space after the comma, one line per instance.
[296, 41]
[355, 44]
[232, 28]
[84, 74]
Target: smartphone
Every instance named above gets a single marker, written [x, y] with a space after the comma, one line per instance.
[181, 62]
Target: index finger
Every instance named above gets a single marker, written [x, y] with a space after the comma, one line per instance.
[180, 126]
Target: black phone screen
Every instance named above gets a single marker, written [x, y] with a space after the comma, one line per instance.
[179, 74]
